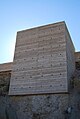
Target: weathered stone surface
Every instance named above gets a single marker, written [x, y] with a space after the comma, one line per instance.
[77, 56]
[48, 106]
[6, 66]
[4, 82]
[41, 106]
[6, 109]
[77, 60]
[2, 112]
[51, 106]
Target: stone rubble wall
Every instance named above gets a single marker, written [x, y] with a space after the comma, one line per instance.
[6, 66]
[47, 106]
[4, 82]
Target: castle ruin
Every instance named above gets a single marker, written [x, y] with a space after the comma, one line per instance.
[41, 76]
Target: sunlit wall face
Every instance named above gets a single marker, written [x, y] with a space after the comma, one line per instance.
[40, 61]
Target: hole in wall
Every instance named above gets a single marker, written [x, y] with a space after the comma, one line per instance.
[30, 76]
[51, 65]
[51, 74]
[60, 84]
[60, 64]
[51, 55]
[50, 85]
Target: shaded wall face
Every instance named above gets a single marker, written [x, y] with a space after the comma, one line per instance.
[51, 106]
[4, 82]
[40, 61]
[70, 53]
[77, 60]
[77, 56]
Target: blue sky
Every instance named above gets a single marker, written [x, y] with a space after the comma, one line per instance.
[16, 15]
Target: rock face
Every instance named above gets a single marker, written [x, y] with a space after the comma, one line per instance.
[47, 106]
[41, 106]
[6, 109]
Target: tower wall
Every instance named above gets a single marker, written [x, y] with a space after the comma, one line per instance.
[70, 56]
[40, 61]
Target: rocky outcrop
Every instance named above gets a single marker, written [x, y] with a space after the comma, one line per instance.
[6, 109]
[47, 106]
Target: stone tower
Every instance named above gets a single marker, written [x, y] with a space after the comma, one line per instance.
[43, 61]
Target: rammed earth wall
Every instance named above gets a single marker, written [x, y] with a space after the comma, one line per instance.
[44, 61]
